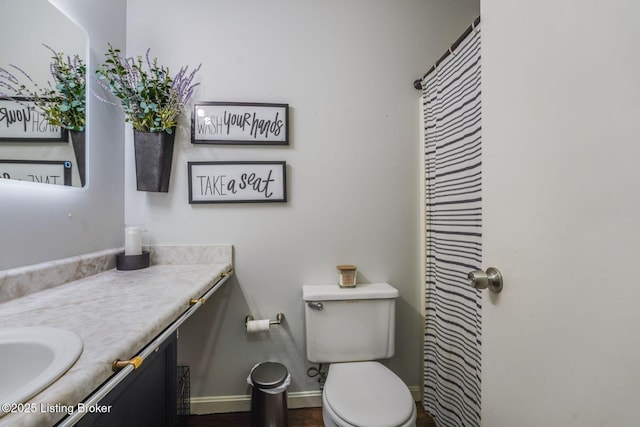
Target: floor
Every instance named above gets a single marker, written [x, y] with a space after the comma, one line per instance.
[307, 417]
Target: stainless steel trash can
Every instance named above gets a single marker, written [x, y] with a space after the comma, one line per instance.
[269, 395]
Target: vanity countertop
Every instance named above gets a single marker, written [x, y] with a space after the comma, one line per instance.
[116, 313]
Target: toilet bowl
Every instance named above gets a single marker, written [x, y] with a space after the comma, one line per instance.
[366, 394]
[350, 329]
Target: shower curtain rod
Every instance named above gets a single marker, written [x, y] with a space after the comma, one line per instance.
[418, 83]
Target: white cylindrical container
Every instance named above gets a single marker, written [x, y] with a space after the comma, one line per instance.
[132, 241]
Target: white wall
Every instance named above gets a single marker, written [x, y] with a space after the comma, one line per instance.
[43, 222]
[346, 70]
[561, 103]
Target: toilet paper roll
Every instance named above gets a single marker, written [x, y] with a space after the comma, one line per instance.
[258, 325]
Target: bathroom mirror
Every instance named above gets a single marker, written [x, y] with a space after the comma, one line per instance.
[30, 148]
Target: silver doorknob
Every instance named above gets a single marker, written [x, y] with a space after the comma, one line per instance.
[491, 279]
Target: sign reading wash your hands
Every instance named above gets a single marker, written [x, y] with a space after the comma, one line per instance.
[22, 121]
[234, 182]
[240, 123]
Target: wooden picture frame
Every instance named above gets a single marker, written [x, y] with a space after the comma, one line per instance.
[22, 121]
[57, 172]
[240, 123]
[237, 182]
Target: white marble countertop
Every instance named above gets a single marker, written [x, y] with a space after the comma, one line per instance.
[116, 313]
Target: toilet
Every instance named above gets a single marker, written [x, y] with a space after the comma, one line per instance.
[350, 329]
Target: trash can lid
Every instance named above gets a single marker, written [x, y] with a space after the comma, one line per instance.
[269, 375]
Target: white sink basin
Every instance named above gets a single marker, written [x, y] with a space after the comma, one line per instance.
[32, 358]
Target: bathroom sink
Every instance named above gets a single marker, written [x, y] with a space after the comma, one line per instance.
[31, 358]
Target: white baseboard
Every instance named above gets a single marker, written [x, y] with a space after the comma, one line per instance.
[416, 392]
[242, 403]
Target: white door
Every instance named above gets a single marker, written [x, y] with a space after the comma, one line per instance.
[561, 213]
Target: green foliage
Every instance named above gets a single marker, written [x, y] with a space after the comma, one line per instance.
[63, 101]
[151, 99]
[65, 105]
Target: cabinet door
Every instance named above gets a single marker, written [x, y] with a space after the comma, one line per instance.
[147, 397]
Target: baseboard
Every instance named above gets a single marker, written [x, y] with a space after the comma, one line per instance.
[242, 403]
[416, 392]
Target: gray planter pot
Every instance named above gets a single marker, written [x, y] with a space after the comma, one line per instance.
[78, 143]
[154, 154]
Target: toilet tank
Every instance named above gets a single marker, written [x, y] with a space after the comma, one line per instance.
[349, 324]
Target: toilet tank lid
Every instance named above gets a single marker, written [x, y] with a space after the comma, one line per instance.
[333, 292]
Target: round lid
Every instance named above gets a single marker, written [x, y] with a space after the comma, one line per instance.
[368, 394]
[268, 375]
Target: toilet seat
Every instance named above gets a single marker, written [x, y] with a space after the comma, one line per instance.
[367, 394]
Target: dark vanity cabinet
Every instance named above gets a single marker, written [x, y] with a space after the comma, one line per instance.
[146, 397]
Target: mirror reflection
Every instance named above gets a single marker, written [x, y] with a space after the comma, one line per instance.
[42, 77]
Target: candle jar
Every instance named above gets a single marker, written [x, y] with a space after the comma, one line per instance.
[347, 276]
[132, 241]
[133, 257]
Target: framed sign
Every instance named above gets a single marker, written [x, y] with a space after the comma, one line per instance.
[42, 171]
[22, 121]
[240, 123]
[237, 182]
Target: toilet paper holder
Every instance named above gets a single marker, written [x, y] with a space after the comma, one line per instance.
[279, 319]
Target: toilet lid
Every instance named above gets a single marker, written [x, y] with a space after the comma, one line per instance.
[368, 394]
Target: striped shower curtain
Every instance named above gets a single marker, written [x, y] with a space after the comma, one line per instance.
[452, 347]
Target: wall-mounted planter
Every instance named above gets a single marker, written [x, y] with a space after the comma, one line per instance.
[154, 154]
[78, 143]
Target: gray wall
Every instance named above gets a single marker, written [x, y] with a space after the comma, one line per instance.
[346, 70]
[43, 222]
